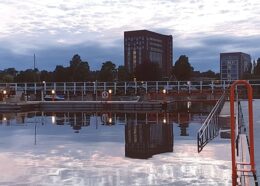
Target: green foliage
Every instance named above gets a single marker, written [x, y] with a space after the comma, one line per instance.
[28, 75]
[78, 70]
[107, 72]
[257, 68]
[182, 69]
[61, 74]
[8, 75]
[46, 76]
[122, 74]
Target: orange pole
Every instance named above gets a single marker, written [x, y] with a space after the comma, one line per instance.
[233, 141]
[232, 126]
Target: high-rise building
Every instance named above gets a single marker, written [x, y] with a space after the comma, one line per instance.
[234, 65]
[141, 46]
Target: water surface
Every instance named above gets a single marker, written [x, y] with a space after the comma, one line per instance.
[83, 148]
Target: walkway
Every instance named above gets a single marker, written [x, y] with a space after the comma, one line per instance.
[256, 108]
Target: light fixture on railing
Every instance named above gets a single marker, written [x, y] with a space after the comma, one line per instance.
[164, 91]
[164, 120]
[53, 119]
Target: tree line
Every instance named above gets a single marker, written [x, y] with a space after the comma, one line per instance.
[79, 71]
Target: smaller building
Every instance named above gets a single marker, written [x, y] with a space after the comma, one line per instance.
[234, 65]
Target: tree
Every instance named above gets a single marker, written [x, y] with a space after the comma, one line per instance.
[148, 72]
[208, 74]
[61, 74]
[182, 69]
[8, 75]
[107, 72]
[257, 68]
[78, 70]
[46, 76]
[122, 74]
[29, 75]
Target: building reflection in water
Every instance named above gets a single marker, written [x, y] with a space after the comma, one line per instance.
[146, 133]
[76, 120]
[145, 138]
[183, 121]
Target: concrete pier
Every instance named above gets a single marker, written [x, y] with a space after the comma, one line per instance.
[83, 105]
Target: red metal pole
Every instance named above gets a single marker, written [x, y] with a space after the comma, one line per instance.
[233, 141]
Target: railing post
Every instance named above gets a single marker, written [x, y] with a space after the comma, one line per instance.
[54, 86]
[125, 88]
[35, 88]
[114, 88]
[15, 88]
[64, 88]
[84, 88]
[25, 88]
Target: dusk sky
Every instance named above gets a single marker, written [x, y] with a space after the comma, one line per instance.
[55, 30]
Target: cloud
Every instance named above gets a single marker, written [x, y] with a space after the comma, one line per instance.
[48, 58]
[204, 50]
[49, 27]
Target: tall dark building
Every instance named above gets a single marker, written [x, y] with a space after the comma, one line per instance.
[234, 65]
[143, 46]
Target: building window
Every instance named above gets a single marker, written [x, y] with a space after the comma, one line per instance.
[156, 57]
[134, 59]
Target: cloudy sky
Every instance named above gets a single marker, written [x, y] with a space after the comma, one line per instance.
[55, 30]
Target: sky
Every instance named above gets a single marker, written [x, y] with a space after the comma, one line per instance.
[55, 30]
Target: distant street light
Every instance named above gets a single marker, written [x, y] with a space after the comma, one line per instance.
[164, 91]
[4, 93]
[110, 94]
[164, 120]
[53, 94]
[42, 91]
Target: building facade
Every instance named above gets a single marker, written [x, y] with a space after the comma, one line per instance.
[142, 46]
[234, 65]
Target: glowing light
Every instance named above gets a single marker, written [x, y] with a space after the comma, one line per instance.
[164, 120]
[4, 92]
[188, 104]
[164, 91]
[53, 119]
[110, 91]
[110, 120]
[53, 91]
[4, 119]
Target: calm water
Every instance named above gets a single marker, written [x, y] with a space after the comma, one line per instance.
[83, 148]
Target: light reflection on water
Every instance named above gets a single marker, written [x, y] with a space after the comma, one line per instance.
[83, 148]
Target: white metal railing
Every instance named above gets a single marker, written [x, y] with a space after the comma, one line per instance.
[134, 86]
[210, 128]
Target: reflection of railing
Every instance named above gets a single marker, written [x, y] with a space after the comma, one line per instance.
[210, 128]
